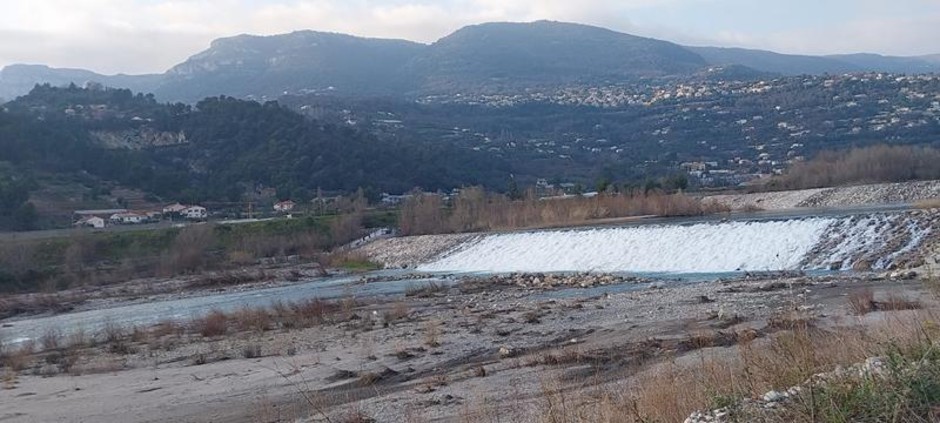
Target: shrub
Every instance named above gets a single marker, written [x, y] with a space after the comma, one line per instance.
[477, 210]
[251, 351]
[432, 333]
[862, 301]
[211, 325]
[880, 163]
[399, 311]
[252, 319]
[189, 251]
[51, 339]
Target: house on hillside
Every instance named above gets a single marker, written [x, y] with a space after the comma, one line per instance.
[284, 206]
[394, 200]
[128, 218]
[90, 222]
[195, 212]
[175, 208]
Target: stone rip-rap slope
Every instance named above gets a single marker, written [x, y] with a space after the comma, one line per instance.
[892, 193]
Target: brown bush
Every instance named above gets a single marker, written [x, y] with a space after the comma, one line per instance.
[189, 251]
[166, 328]
[252, 319]
[862, 301]
[476, 210]
[315, 311]
[399, 311]
[213, 324]
[229, 278]
[880, 163]
[895, 302]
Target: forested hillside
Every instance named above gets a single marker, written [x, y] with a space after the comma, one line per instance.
[224, 149]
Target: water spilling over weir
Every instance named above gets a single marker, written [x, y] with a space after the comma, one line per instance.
[873, 241]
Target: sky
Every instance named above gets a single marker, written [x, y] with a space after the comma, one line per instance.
[150, 36]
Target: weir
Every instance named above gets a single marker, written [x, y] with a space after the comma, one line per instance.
[796, 244]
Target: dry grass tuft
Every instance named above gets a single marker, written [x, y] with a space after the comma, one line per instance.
[862, 301]
[399, 311]
[248, 319]
[895, 302]
[791, 320]
[432, 333]
[211, 325]
[51, 339]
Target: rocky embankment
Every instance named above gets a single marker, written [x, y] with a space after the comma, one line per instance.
[554, 280]
[894, 193]
[908, 243]
[407, 252]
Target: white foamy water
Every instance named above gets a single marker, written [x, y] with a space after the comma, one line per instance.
[698, 248]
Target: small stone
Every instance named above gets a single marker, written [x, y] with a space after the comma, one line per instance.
[774, 396]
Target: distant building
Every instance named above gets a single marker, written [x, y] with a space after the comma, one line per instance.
[392, 200]
[195, 212]
[90, 222]
[284, 206]
[544, 189]
[128, 218]
[175, 208]
[694, 166]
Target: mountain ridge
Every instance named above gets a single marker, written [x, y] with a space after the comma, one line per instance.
[495, 56]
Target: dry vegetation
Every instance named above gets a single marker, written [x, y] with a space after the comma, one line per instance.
[881, 163]
[706, 369]
[54, 353]
[477, 210]
[110, 258]
[726, 377]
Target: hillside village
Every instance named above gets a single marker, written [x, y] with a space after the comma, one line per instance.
[719, 132]
[684, 133]
[108, 217]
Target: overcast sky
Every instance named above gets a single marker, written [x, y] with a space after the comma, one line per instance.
[140, 36]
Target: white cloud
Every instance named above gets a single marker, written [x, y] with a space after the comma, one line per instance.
[901, 37]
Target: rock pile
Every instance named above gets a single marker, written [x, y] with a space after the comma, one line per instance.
[407, 277]
[408, 252]
[904, 192]
[556, 280]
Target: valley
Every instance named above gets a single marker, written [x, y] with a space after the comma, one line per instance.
[532, 221]
[447, 342]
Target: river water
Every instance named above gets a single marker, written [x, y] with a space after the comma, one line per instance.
[14, 331]
[671, 253]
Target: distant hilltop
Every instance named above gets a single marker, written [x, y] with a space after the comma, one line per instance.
[490, 57]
